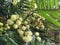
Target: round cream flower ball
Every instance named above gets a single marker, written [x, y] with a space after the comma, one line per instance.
[1, 24]
[38, 19]
[20, 18]
[14, 2]
[1, 29]
[18, 22]
[13, 17]
[42, 26]
[10, 22]
[20, 32]
[8, 27]
[23, 27]
[28, 33]
[36, 33]
[27, 26]
[15, 26]
[37, 27]
[27, 39]
[38, 38]
[25, 22]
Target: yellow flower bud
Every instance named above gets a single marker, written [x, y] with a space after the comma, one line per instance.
[23, 27]
[20, 18]
[10, 22]
[15, 26]
[25, 22]
[38, 38]
[37, 27]
[1, 29]
[27, 26]
[20, 32]
[28, 33]
[15, 2]
[36, 33]
[13, 17]
[8, 27]
[27, 39]
[1, 24]
[42, 26]
[18, 22]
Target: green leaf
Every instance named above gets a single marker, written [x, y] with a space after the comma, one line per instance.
[11, 42]
[52, 27]
[56, 3]
[54, 14]
[48, 17]
[52, 3]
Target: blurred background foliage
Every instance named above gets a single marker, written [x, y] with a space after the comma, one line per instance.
[49, 9]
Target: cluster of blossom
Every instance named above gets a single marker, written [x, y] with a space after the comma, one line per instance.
[38, 38]
[24, 30]
[4, 27]
[16, 22]
[23, 26]
[36, 21]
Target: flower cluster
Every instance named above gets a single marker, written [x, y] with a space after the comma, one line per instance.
[16, 21]
[36, 21]
[4, 27]
[37, 36]
[25, 33]
[22, 26]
